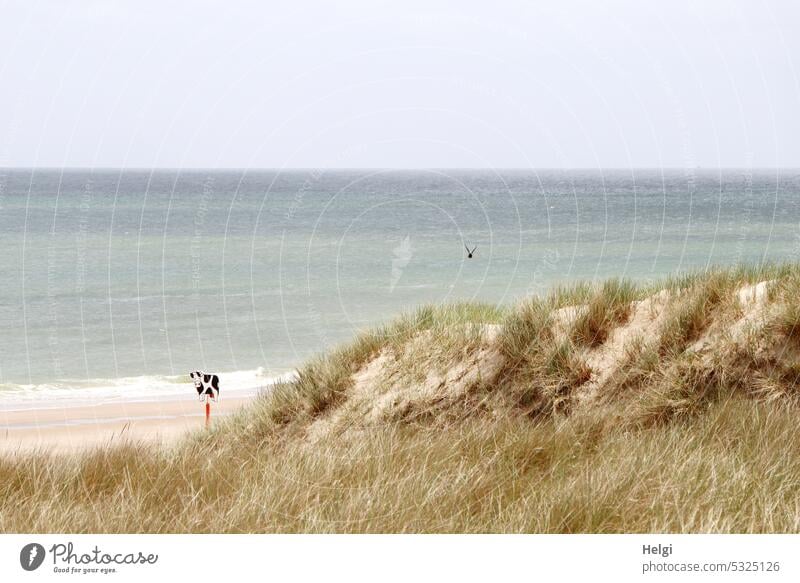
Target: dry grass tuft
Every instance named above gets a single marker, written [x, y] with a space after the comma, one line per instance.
[610, 306]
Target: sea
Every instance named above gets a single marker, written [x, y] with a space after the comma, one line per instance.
[116, 283]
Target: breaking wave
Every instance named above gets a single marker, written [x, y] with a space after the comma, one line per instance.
[69, 392]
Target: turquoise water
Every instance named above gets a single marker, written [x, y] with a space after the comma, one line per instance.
[118, 278]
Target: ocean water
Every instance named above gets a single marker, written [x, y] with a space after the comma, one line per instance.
[122, 281]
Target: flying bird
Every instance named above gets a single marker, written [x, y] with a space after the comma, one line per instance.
[469, 253]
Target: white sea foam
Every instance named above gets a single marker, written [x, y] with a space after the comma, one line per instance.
[73, 392]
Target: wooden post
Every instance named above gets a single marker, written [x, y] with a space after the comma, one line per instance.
[208, 413]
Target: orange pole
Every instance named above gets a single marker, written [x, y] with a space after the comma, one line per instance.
[208, 413]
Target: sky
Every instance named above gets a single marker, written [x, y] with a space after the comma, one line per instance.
[412, 84]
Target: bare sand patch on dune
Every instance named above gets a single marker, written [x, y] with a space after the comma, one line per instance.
[640, 329]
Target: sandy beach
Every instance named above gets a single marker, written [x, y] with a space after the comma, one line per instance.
[70, 429]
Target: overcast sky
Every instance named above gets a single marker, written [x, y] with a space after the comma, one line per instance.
[403, 84]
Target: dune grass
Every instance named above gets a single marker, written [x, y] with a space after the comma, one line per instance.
[681, 441]
[607, 307]
[734, 469]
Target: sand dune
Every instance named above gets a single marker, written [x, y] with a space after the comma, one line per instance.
[610, 407]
